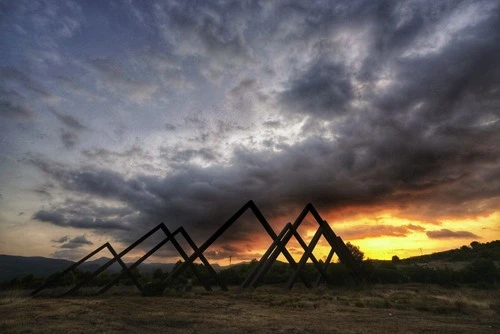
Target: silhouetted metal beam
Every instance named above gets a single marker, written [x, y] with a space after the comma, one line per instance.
[271, 233]
[281, 244]
[50, 280]
[124, 268]
[272, 259]
[264, 257]
[325, 266]
[110, 262]
[136, 263]
[181, 251]
[315, 262]
[307, 254]
[204, 260]
[249, 205]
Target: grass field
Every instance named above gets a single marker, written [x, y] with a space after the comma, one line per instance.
[382, 308]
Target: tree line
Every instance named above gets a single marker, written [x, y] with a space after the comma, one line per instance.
[480, 269]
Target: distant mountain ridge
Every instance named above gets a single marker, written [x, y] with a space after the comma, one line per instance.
[19, 266]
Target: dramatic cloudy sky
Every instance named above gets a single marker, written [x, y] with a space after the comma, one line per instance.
[118, 115]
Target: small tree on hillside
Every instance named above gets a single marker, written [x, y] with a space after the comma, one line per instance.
[356, 252]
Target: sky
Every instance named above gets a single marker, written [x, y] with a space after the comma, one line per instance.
[118, 115]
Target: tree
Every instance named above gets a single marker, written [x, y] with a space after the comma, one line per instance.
[158, 274]
[395, 259]
[475, 245]
[356, 252]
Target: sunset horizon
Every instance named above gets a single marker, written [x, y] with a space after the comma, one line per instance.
[117, 116]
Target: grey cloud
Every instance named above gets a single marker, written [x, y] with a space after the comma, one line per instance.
[170, 127]
[76, 242]
[10, 110]
[62, 239]
[323, 90]
[448, 234]
[373, 231]
[243, 87]
[272, 124]
[69, 120]
[57, 218]
[202, 198]
[415, 131]
[69, 139]
[134, 152]
[116, 80]
[186, 155]
[13, 77]
[49, 217]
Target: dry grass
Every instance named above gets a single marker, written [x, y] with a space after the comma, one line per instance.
[405, 309]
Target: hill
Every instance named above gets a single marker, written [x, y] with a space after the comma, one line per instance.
[19, 266]
[476, 250]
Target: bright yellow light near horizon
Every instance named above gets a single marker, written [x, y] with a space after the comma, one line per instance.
[487, 228]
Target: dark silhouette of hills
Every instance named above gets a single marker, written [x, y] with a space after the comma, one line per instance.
[19, 266]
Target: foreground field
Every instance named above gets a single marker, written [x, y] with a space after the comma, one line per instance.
[410, 308]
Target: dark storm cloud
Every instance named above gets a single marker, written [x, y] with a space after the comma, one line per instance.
[412, 123]
[67, 242]
[58, 219]
[134, 152]
[272, 124]
[323, 90]
[448, 234]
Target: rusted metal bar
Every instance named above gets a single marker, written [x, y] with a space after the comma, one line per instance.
[67, 270]
[305, 256]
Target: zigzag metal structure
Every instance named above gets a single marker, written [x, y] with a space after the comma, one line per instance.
[277, 247]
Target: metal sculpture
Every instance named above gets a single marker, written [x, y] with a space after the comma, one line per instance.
[277, 247]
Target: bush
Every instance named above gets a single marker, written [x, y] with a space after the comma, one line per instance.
[152, 289]
[480, 271]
